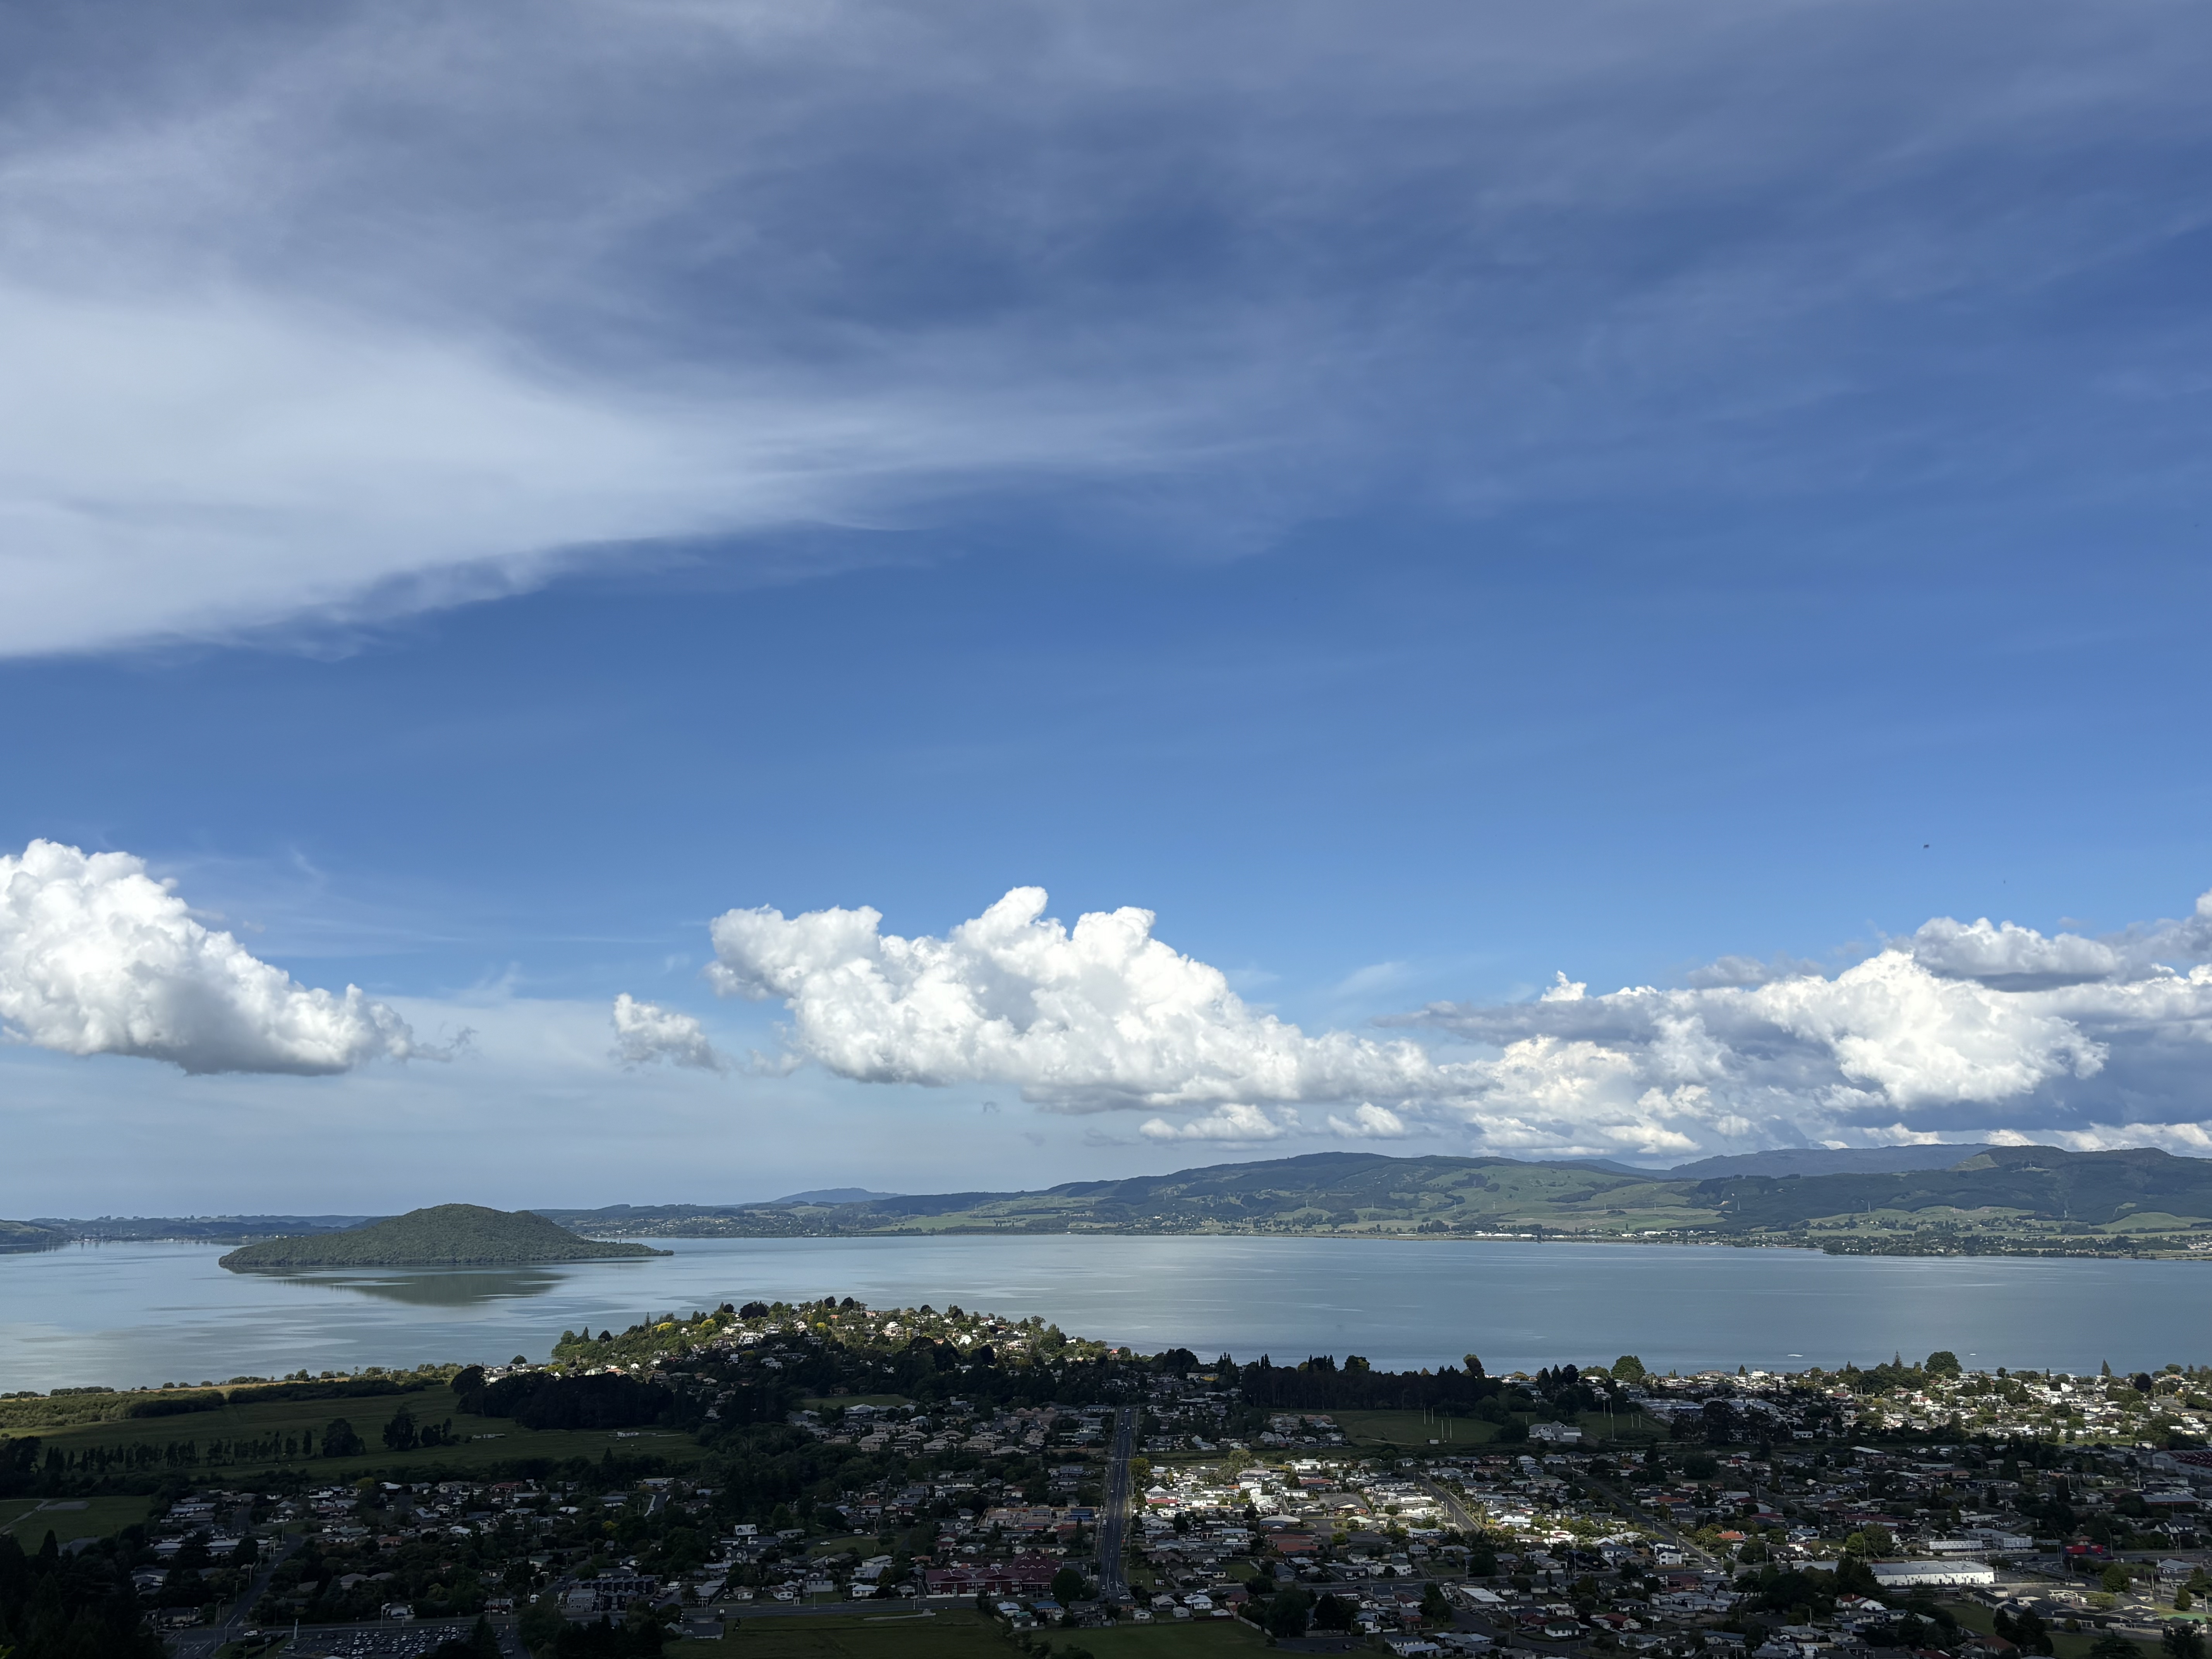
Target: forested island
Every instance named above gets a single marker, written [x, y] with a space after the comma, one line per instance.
[443, 1235]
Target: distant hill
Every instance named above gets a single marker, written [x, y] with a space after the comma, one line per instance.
[209, 1228]
[1826, 1160]
[835, 1196]
[444, 1236]
[2039, 1200]
[2131, 1189]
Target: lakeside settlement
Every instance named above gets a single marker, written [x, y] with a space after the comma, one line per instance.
[710, 1479]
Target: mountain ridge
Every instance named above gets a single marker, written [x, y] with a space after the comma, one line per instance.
[2039, 1199]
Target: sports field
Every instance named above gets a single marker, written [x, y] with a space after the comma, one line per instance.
[962, 1633]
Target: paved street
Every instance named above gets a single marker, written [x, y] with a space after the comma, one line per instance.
[198, 1643]
[1114, 1511]
[1664, 1526]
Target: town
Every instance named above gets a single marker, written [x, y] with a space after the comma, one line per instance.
[773, 1468]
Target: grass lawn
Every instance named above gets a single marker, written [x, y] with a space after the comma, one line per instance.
[1631, 1426]
[963, 1634]
[1198, 1639]
[944, 1635]
[1413, 1429]
[28, 1523]
[2070, 1644]
[2065, 1644]
[368, 1416]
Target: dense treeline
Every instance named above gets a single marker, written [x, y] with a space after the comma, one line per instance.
[69, 1606]
[180, 1401]
[1319, 1384]
[541, 1400]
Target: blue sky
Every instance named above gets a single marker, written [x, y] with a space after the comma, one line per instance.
[1679, 502]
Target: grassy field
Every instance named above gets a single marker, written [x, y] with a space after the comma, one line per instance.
[28, 1521]
[2065, 1644]
[963, 1634]
[1631, 1426]
[949, 1635]
[1412, 1428]
[369, 1417]
[1199, 1639]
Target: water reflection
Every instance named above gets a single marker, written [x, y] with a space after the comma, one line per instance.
[429, 1287]
[149, 1312]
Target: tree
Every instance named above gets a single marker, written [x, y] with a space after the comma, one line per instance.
[541, 1622]
[2024, 1630]
[1068, 1585]
[2110, 1644]
[2182, 1599]
[1628, 1369]
[2183, 1642]
[340, 1441]
[2115, 1579]
[399, 1434]
[1335, 1613]
[1942, 1363]
[1287, 1614]
[1437, 1607]
[1872, 1540]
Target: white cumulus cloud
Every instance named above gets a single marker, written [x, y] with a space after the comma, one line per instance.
[1234, 1122]
[97, 957]
[1962, 1030]
[646, 1032]
[1369, 1123]
[1100, 1016]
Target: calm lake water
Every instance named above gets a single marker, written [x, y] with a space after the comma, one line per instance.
[126, 1314]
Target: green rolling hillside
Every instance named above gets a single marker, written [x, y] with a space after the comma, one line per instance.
[1998, 1198]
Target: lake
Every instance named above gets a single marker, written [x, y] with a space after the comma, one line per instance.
[138, 1313]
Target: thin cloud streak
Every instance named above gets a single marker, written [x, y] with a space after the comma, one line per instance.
[347, 313]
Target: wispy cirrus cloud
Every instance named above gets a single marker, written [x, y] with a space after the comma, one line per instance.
[345, 312]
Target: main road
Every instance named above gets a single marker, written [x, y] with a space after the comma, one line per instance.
[1666, 1528]
[1114, 1512]
[196, 1642]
